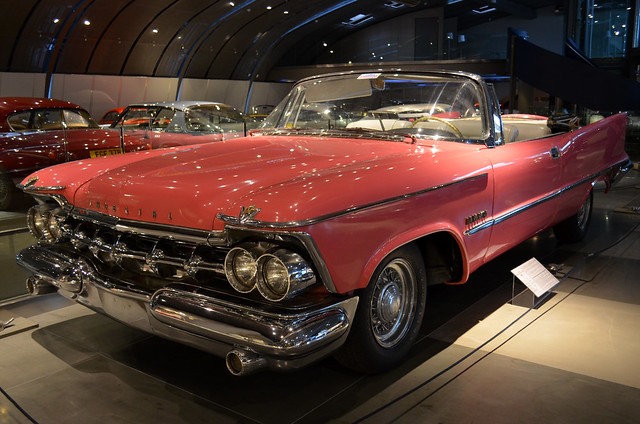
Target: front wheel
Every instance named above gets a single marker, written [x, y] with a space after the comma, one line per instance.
[574, 228]
[389, 314]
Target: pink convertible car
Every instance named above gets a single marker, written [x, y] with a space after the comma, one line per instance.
[320, 233]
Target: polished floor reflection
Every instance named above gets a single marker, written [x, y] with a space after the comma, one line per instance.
[573, 358]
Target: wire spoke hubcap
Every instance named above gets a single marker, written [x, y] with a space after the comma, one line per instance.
[393, 302]
[583, 214]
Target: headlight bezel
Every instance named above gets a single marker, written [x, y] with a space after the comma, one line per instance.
[295, 272]
[241, 282]
[264, 282]
[46, 221]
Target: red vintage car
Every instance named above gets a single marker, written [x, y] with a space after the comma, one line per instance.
[110, 117]
[320, 232]
[36, 133]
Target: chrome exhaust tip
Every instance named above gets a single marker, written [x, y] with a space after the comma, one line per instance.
[36, 287]
[241, 362]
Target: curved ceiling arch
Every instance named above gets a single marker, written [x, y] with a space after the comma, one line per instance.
[137, 63]
[229, 18]
[109, 24]
[173, 55]
[128, 21]
[199, 39]
[23, 16]
[251, 66]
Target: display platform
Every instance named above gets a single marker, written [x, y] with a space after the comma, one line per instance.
[480, 358]
[14, 235]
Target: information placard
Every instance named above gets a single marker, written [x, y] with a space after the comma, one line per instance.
[535, 276]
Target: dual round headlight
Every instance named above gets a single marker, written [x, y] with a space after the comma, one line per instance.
[274, 280]
[276, 273]
[241, 268]
[46, 222]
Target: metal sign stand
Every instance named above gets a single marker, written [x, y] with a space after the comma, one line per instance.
[537, 281]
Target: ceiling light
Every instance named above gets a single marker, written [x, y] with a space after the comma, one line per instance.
[87, 22]
[484, 9]
[358, 19]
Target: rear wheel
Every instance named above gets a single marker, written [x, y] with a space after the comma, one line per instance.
[574, 228]
[389, 314]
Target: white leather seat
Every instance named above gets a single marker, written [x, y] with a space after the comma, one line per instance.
[374, 124]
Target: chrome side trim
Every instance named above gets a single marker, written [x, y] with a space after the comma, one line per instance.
[34, 189]
[622, 167]
[253, 223]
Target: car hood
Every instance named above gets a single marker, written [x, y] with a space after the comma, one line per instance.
[290, 179]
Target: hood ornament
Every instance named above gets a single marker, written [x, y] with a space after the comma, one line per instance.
[30, 186]
[248, 213]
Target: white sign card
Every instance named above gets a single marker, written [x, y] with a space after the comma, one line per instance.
[535, 276]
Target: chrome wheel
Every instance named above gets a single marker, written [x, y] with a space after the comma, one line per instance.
[574, 228]
[583, 214]
[389, 314]
[393, 303]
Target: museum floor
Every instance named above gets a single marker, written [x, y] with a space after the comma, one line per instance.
[481, 358]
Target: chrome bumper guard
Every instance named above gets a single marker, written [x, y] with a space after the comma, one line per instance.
[286, 339]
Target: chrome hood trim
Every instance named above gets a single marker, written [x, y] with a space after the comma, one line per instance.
[242, 221]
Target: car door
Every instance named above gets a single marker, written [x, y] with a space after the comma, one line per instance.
[36, 141]
[85, 139]
[144, 126]
[527, 175]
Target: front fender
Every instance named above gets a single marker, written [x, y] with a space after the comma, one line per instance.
[417, 235]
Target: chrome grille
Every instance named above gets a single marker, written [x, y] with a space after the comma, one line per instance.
[158, 253]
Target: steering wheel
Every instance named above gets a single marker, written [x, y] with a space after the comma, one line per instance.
[447, 123]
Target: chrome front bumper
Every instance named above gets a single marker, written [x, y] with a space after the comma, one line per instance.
[248, 336]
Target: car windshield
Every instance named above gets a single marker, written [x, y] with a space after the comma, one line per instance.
[214, 119]
[426, 106]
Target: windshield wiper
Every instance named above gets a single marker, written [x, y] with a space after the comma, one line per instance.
[355, 132]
